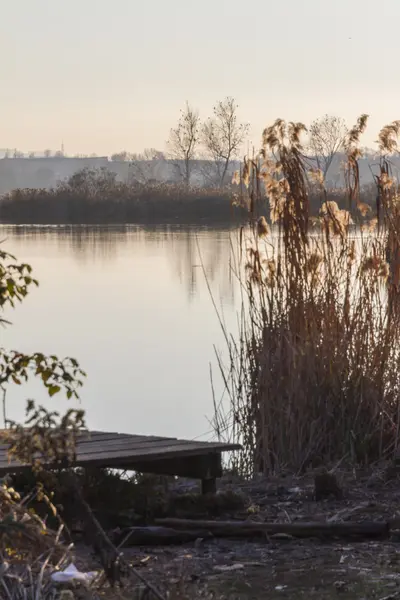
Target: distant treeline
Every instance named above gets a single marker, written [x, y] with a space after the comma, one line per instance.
[94, 196]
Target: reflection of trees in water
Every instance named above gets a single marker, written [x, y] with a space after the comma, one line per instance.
[186, 248]
[85, 243]
[190, 249]
[97, 244]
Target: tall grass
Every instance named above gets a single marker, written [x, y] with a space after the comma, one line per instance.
[314, 374]
[96, 197]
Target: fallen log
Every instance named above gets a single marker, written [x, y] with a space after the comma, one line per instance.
[156, 536]
[364, 530]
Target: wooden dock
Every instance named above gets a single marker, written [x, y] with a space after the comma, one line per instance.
[146, 454]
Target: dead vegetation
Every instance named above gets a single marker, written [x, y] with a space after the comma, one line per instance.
[29, 551]
[313, 374]
[95, 196]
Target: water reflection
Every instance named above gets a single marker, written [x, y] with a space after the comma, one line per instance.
[133, 306]
[192, 252]
[84, 243]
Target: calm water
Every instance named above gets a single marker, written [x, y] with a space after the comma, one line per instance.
[132, 306]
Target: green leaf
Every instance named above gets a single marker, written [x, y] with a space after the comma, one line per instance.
[53, 389]
[46, 375]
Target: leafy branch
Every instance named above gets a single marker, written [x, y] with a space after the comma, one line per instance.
[15, 280]
[44, 438]
[55, 374]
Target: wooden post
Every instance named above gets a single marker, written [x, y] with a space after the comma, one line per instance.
[212, 468]
[209, 486]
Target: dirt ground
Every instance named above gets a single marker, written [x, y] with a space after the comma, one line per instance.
[283, 567]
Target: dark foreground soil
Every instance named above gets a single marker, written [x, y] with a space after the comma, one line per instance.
[282, 567]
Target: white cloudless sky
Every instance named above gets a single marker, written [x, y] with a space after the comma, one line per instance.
[107, 75]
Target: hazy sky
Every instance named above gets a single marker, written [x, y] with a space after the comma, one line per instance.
[106, 75]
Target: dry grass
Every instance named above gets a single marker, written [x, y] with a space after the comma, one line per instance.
[29, 551]
[313, 375]
[94, 196]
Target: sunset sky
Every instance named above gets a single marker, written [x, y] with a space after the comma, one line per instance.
[104, 75]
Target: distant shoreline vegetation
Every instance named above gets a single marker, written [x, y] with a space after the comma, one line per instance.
[95, 197]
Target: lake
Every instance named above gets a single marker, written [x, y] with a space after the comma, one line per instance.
[133, 306]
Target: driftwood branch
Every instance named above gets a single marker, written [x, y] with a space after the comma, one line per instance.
[157, 535]
[298, 530]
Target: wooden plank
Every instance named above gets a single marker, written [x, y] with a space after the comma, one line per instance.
[85, 439]
[114, 445]
[169, 451]
[120, 441]
[126, 457]
[157, 454]
[95, 436]
[139, 438]
[90, 439]
[142, 445]
[90, 436]
[132, 443]
[123, 443]
[126, 447]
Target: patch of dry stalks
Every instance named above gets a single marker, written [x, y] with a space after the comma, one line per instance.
[314, 373]
[95, 196]
[29, 551]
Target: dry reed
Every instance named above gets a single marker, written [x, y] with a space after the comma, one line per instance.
[314, 372]
[95, 196]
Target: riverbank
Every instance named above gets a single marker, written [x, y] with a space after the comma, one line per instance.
[242, 566]
[280, 565]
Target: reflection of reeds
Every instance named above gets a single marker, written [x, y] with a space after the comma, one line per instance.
[91, 244]
[314, 374]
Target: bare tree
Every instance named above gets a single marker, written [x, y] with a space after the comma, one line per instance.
[121, 156]
[327, 136]
[223, 135]
[47, 153]
[183, 142]
[144, 165]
